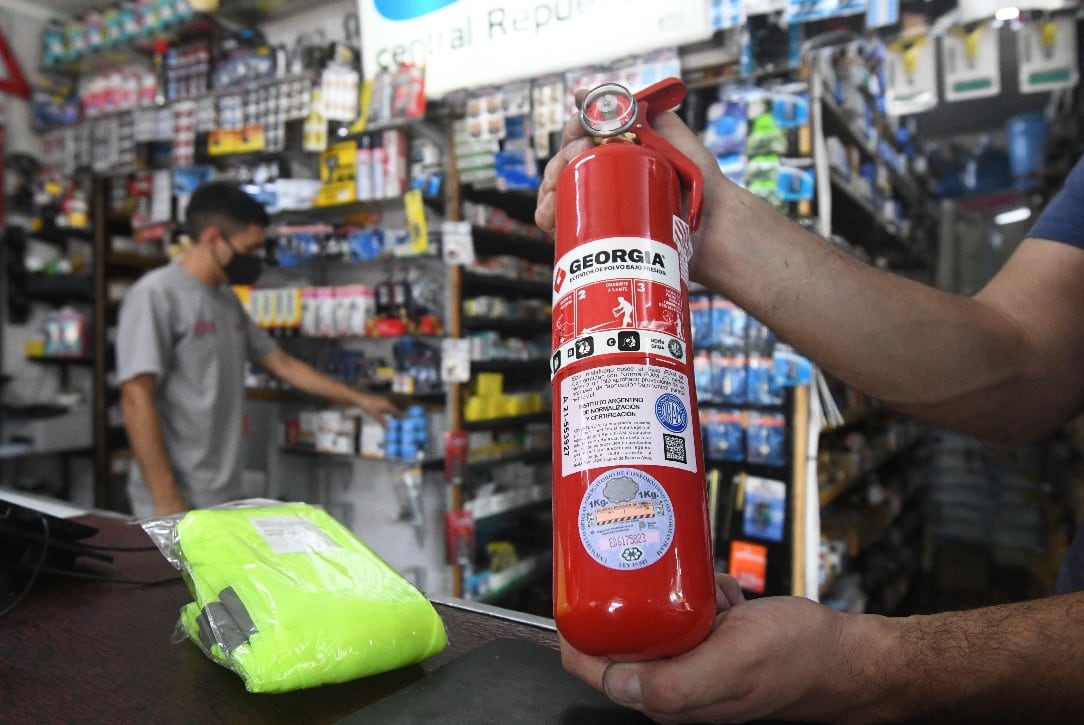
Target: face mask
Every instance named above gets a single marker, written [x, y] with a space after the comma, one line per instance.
[242, 268]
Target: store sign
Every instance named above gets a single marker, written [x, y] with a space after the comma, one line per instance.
[472, 43]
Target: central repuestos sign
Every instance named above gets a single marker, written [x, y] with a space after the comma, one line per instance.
[471, 43]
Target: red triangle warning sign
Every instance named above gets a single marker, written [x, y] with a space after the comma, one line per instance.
[12, 79]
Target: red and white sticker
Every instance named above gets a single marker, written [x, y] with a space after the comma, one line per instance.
[618, 295]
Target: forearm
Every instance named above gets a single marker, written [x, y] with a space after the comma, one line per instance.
[948, 359]
[145, 438]
[1013, 663]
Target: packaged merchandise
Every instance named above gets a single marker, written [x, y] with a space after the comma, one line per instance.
[760, 381]
[288, 598]
[765, 438]
[724, 434]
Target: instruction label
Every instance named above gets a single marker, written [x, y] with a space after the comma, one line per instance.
[626, 519]
[618, 295]
[620, 415]
[292, 535]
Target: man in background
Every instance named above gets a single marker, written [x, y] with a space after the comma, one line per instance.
[182, 343]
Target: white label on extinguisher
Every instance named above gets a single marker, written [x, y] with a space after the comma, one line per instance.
[616, 258]
[683, 240]
[621, 415]
[626, 519]
[618, 295]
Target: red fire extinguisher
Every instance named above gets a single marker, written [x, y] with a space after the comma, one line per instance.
[632, 571]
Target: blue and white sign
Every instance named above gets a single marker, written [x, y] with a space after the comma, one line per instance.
[472, 43]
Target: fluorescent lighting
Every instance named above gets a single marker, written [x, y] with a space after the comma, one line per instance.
[1006, 14]
[1012, 216]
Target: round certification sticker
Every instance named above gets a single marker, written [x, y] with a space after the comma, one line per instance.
[671, 412]
[626, 519]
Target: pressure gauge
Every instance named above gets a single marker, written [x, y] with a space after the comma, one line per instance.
[608, 110]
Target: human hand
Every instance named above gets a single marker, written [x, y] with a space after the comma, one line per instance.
[170, 503]
[575, 141]
[771, 657]
[378, 407]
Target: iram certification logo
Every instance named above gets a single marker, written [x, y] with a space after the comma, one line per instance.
[671, 412]
[408, 9]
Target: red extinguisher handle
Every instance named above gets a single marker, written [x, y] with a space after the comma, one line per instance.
[653, 100]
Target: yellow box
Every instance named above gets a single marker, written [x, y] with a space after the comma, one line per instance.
[488, 385]
[34, 347]
[474, 408]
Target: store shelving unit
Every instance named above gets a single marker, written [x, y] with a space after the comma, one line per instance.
[515, 506]
[54, 291]
[112, 453]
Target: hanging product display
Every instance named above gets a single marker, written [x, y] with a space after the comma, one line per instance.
[633, 570]
[804, 11]
[911, 76]
[971, 63]
[1046, 52]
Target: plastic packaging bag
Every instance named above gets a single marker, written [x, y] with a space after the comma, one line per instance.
[288, 598]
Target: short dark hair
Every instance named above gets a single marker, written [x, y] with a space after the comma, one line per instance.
[223, 204]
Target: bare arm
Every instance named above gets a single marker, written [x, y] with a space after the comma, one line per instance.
[305, 377]
[786, 657]
[958, 362]
[145, 435]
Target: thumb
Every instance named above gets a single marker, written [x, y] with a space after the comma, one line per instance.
[621, 681]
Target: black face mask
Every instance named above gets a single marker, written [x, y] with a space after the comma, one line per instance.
[242, 268]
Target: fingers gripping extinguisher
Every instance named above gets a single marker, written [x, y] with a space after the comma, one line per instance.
[633, 574]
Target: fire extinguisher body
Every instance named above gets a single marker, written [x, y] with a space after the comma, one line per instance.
[633, 574]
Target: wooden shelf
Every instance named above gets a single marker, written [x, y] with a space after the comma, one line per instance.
[539, 365]
[500, 285]
[543, 417]
[60, 287]
[134, 259]
[61, 235]
[494, 242]
[502, 583]
[61, 360]
[529, 456]
[507, 324]
[515, 499]
[833, 492]
[312, 452]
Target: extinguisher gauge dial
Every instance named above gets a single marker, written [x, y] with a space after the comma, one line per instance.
[608, 110]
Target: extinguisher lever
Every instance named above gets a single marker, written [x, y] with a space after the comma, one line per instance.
[653, 100]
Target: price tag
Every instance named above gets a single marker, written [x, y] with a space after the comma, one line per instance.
[457, 243]
[455, 360]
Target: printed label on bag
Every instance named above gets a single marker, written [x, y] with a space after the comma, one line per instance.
[620, 415]
[626, 519]
[292, 535]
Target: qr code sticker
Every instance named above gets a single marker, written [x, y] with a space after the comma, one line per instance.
[674, 448]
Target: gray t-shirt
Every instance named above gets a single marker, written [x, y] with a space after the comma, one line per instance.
[195, 338]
